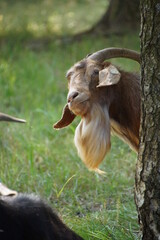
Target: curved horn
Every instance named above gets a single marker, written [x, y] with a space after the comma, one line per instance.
[108, 53]
[5, 191]
[5, 117]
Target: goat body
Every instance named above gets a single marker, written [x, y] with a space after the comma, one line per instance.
[27, 217]
[124, 108]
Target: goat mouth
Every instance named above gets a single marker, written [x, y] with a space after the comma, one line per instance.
[77, 102]
[86, 100]
[79, 107]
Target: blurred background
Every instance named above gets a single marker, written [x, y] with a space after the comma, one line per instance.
[39, 41]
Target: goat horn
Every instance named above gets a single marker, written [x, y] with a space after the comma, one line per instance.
[5, 191]
[5, 117]
[108, 53]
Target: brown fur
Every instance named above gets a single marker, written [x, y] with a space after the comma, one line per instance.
[114, 108]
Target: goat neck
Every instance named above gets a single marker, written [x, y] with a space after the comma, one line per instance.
[124, 109]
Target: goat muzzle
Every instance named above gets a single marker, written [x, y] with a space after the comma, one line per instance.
[72, 96]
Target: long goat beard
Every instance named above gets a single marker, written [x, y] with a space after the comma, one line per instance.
[92, 137]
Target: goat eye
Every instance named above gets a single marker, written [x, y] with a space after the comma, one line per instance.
[96, 71]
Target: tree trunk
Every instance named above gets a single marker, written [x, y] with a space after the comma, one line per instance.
[120, 16]
[147, 186]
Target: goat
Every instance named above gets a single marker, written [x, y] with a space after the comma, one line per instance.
[27, 217]
[107, 99]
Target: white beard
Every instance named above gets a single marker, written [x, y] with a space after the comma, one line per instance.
[92, 137]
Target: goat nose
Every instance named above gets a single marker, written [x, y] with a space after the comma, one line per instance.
[72, 95]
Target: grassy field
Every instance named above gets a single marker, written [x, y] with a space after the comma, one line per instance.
[36, 158]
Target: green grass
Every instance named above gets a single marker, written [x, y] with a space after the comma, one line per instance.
[36, 158]
[39, 18]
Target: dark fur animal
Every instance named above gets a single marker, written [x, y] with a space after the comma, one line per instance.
[108, 101]
[26, 217]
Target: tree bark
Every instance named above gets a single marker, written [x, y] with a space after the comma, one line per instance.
[120, 16]
[147, 185]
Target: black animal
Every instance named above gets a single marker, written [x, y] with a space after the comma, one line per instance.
[27, 217]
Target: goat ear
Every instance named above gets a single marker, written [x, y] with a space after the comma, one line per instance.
[66, 119]
[109, 76]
